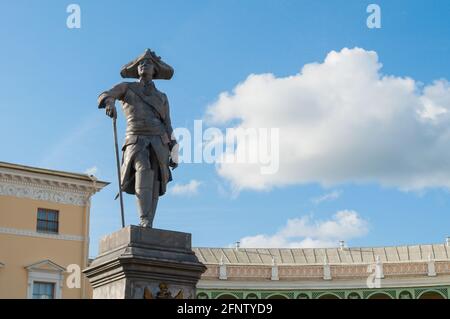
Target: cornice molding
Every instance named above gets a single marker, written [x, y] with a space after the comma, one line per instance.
[30, 233]
[43, 193]
[43, 187]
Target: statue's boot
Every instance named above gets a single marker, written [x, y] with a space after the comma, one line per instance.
[144, 196]
[155, 199]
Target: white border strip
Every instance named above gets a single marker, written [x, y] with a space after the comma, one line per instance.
[30, 233]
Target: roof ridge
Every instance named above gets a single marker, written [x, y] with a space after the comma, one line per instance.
[315, 248]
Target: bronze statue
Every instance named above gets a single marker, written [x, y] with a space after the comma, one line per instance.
[149, 142]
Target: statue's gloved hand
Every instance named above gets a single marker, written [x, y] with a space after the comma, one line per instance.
[111, 111]
[172, 144]
[172, 164]
[173, 158]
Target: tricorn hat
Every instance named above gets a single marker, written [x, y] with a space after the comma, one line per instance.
[163, 71]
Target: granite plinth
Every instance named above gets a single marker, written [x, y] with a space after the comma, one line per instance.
[137, 262]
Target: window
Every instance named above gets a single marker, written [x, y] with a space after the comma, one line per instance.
[47, 221]
[45, 280]
[354, 295]
[405, 295]
[43, 290]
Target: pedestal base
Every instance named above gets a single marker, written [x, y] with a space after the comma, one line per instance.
[137, 263]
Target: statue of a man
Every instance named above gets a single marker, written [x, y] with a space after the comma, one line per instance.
[149, 142]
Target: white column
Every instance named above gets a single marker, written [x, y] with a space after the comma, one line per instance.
[274, 270]
[431, 267]
[379, 274]
[326, 269]
[222, 270]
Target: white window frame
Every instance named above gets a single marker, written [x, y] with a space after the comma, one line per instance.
[55, 276]
[45, 277]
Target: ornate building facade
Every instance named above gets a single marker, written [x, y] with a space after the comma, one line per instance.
[402, 272]
[44, 232]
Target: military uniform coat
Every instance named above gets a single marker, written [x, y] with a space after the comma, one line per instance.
[148, 124]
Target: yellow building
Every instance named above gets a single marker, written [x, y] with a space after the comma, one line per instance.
[44, 232]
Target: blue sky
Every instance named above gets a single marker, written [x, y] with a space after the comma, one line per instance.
[52, 75]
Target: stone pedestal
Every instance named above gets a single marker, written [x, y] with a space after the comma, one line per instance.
[137, 263]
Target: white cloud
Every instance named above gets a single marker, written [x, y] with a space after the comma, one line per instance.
[188, 189]
[91, 171]
[304, 232]
[327, 197]
[343, 121]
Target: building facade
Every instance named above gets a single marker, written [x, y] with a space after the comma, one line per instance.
[402, 272]
[44, 246]
[44, 232]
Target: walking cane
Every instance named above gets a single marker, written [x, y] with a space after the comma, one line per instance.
[118, 171]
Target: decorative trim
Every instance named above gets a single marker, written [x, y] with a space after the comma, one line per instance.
[319, 284]
[395, 293]
[30, 233]
[47, 262]
[61, 190]
[236, 272]
[44, 193]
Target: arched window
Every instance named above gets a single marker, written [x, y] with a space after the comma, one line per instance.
[431, 295]
[277, 296]
[353, 295]
[328, 296]
[405, 295]
[302, 296]
[251, 296]
[226, 296]
[380, 296]
[202, 295]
